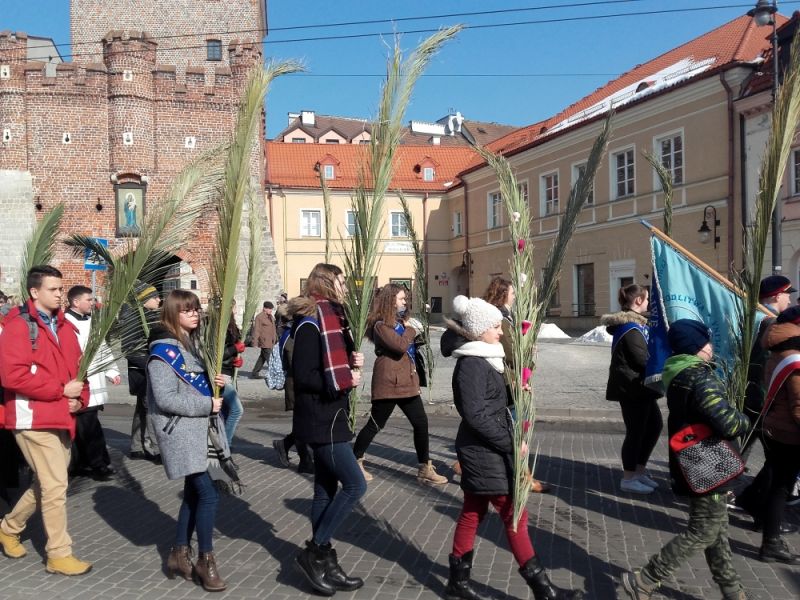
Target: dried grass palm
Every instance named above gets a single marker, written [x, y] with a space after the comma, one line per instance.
[361, 254]
[667, 187]
[532, 300]
[255, 267]
[236, 187]
[39, 249]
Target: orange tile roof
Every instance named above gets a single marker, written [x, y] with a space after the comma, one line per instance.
[293, 165]
[739, 41]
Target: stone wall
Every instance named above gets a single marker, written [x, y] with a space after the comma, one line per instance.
[16, 223]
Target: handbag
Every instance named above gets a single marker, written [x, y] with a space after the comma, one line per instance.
[419, 366]
[706, 460]
[276, 376]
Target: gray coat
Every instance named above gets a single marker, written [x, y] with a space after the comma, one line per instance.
[185, 449]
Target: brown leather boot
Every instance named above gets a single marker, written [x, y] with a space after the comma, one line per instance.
[206, 571]
[179, 562]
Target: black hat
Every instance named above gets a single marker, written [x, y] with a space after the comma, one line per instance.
[144, 291]
[688, 336]
[790, 315]
[774, 285]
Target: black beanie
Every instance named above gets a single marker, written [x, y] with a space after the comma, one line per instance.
[688, 336]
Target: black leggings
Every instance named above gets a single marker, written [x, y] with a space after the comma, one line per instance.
[381, 410]
[643, 425]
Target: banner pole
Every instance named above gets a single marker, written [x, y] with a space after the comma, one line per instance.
[705, 267]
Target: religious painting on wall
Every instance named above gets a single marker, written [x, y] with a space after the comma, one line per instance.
[130, 209]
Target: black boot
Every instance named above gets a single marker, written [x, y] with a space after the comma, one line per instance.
[459, 586]
[312, 562]
[534, 574]
[775, 549]
[335, 575]
[306, 459]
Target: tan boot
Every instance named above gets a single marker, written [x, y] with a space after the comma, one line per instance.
[367, 475]
[427, 474]
[206, 571]
[12, 547]
[179, 562]
[67, 565]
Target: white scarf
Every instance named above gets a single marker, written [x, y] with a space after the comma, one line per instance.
[493, 353]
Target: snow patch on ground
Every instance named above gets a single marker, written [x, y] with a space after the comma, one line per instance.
[598, 335]
[551, 331]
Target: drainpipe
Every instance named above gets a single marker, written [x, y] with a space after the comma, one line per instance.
[731, 228]
[425, 236]
[743, 174]
[271, 221]
[466, 235]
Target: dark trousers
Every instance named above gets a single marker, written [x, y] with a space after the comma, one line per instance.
[198, 511]
[334, 463]
[753, 498]
[90, 441]
[784, 462]
[643, 425]
[414, 411]
[303, 451]
[262, 358]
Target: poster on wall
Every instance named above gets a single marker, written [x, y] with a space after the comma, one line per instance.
[130, 209]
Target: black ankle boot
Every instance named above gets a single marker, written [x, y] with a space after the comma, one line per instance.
[335, 575]
[775, 549]
[312, 562]
[536, 577]
[306, 459]
[459, 586]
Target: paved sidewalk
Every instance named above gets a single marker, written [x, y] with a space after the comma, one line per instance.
[397, 539]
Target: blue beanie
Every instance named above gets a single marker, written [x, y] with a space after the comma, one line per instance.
[688, 336]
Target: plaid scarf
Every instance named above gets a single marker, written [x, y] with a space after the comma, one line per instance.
[336, 345]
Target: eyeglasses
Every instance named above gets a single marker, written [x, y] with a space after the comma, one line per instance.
[189, 311]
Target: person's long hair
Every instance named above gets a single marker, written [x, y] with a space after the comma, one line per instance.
[628, 294]
[384, 308]
[176, 302]
[497, 292]
[322, 282]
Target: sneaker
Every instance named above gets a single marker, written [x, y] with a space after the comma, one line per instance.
[12, 547]
[635, 486]
[283, 456]
[647, 481]
[367, 474]
[68, 565]
[635, 587]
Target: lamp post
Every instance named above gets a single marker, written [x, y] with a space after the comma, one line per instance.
[764, 14]
[705, 231]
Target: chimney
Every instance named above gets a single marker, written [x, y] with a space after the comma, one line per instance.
[436, 140]
[307, 118]
[293, 117]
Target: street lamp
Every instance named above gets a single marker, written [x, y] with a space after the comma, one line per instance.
[763, 14]
[705, 231]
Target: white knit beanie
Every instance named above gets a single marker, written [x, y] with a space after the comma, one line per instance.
[476, 315]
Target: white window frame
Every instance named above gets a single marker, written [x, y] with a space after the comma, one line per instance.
[458, 224]
[555, 201]
[794, 173]
[307, 232]
[613, 172]
[328, 172]
[575, 175]
[392, 214]
[347, 214]
[494, 219]
[670, 135]
[298, 140]
[428, 173]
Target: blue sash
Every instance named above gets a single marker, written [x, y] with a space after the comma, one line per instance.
[620, 331]
[400, 329]
[172, 356]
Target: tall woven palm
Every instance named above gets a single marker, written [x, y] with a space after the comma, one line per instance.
[361, 253]
[532, 298]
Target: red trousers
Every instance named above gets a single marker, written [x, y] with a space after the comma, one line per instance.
[472, 513]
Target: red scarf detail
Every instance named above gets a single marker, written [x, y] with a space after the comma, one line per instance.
[336, 345]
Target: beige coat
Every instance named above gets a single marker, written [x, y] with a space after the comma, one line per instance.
[394, 374]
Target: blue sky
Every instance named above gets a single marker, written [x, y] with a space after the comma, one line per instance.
[573, 57]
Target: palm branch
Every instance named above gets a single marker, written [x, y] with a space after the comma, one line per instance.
[531, 299]
[237, 185]
[785, 120]
[39, 249]
[420, 293]
[326, 202]
[165, 230]
[667, 186]
[361, 254]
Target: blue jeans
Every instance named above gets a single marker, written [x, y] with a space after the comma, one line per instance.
[232, 410]
[334, 463]
[198, 510]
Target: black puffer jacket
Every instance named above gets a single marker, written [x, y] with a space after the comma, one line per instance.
[320, 415]
[484, 442]
[628, 358]
[694, 395]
